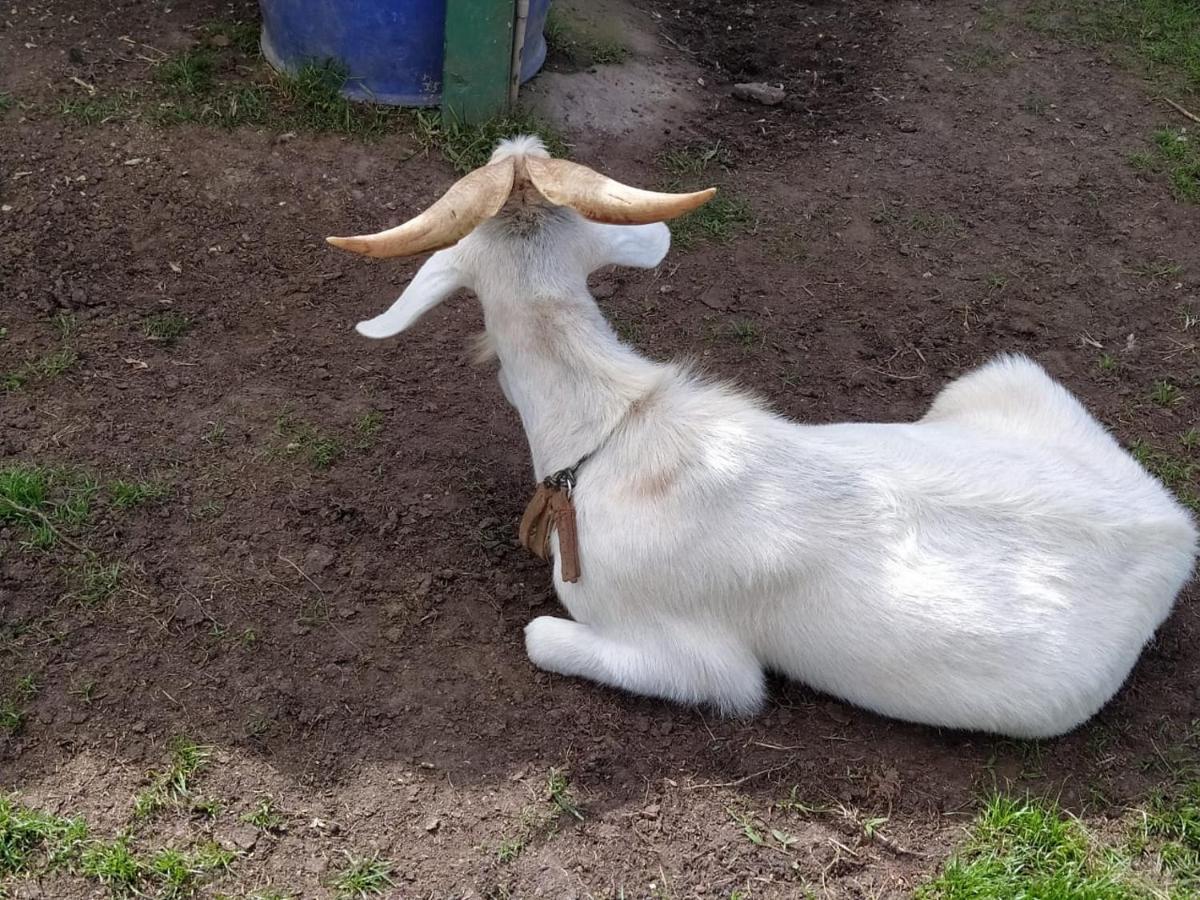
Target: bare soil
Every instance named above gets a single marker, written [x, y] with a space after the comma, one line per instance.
[941, 186]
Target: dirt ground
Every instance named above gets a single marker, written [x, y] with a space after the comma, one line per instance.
[943, 183]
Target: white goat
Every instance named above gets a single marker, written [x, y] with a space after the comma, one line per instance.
[997, 565]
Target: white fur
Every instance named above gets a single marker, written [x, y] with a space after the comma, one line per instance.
[997, 565]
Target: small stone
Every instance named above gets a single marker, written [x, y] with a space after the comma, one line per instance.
[244, 838]
[716, 297]
[906, 162]
[318, 559]
[219, 40]
[433, 825]
[908, 126]
[758, 92]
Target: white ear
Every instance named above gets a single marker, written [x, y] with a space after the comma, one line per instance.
[434, 282]
[641, 246]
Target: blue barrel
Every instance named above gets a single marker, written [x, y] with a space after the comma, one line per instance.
[392, 49]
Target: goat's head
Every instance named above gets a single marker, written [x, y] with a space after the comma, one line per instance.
[522, 222]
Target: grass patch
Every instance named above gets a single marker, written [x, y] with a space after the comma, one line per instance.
[984, 57]
[468, 147]
[46, 368]
[306, 441]
[694, 160]
[166, 327]
[12, 708]
[66, 325]
[7, 102]
[367, 428]
[97, 581]
[1174, 156]
[44, 501]
[717, 221]
[1163, 35]
[363, 877]
[128, 494]
[241, 36]
[1166, 394]
[1157, 269]
[1030, 848]
[97, 110]
[30, 839]
[1170, 828]
[1176, 471]
[179, 874]
[174, 784]
[581, 43]
[558, 791]
[190, 73]
[265, 817]
[745, 333]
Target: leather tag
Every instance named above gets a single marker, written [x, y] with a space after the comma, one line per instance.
[551, 508]
[568, 539]
[534, 531]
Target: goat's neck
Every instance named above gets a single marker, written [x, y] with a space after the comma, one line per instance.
[563, 368]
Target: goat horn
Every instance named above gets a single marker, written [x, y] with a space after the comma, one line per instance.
[470, 200]
[601, 199]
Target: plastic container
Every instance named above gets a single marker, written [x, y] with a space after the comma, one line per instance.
[392, 49]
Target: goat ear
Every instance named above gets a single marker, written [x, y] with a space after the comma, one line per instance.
[641, 246]
[440, 277]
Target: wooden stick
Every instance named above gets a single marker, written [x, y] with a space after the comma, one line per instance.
[1191, 115]
[26, 511]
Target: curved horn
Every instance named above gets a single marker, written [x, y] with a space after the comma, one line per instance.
[599, 198]
[469, 201]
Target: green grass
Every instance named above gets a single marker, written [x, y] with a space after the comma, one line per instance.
[984, 57]
[1166, 394]
[558, 791]
[114, 865]
[96, 110]
[12, 707]
[931, 223]
[1174, 156]
[1170, 829]
[1163, 35]
[7, 102]
[367, 428]
[65, 324]
[190, 73]
[746, 333]
[1028, 848]
[179, 873]
[265, 817]
[718, 221]
[1108, 363]
[45, 368]
[212, 84]
[582, 43]
[1157, 269]
[1175, 470]
[166, 327]
[306, 441]
[173, 784]
[468, 147]
[97, 581]
[28, 835]
[363, 877]
[243, 37]
[128, 494]
[692, 161]
[45, 500]
[312, 102]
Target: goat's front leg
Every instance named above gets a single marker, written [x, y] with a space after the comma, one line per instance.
[707, 671]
